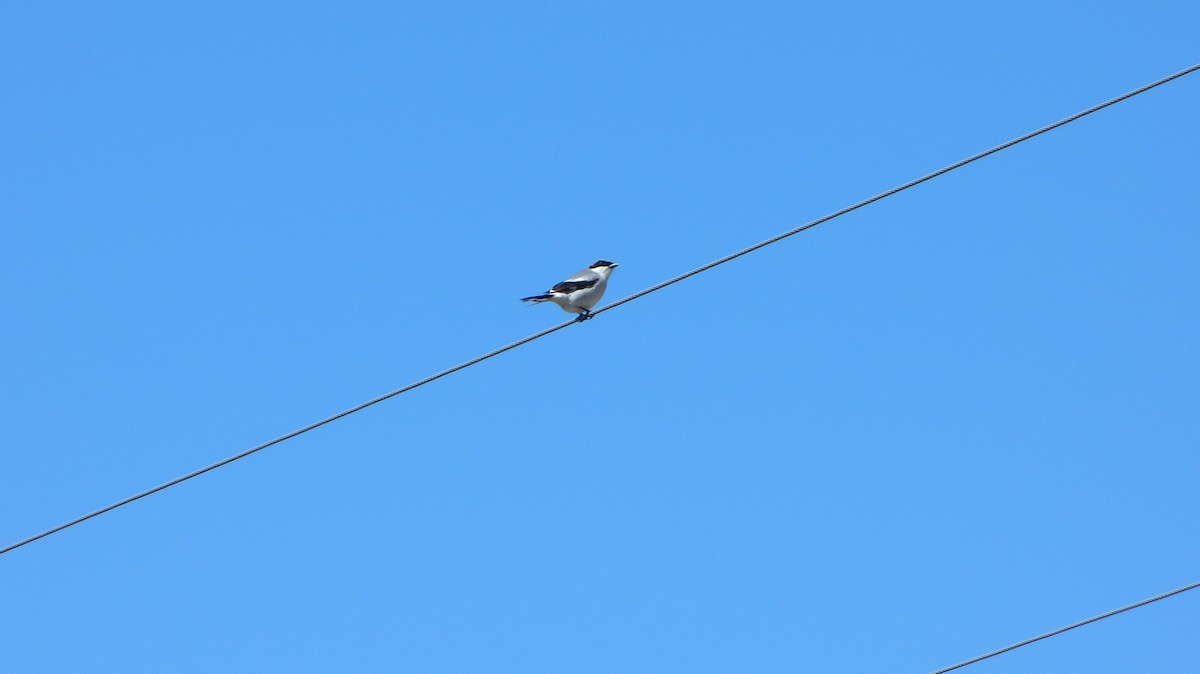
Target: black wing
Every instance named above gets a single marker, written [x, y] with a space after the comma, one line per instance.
[571, 286]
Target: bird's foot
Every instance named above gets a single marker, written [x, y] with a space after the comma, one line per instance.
[583, 317]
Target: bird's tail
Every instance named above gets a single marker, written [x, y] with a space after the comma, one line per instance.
[536, 299]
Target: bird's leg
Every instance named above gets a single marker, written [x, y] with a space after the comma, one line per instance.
[584, 316]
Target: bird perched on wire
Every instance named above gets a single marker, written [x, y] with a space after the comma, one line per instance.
[579, 293]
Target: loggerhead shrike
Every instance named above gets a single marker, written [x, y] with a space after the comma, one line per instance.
[581, 292]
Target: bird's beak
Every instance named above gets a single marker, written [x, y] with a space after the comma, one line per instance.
[615, 265]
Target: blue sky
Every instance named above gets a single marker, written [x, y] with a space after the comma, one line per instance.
[944, 423]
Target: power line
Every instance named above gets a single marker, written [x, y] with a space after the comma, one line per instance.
[289, 436]
[895, 190]
[1060, 630]
[601, 310]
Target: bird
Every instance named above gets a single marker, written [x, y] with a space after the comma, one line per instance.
[580, 292]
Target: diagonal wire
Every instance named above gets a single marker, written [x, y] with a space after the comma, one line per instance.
[1060, 630]
[895, 190]
[643, 293]
[289, 436]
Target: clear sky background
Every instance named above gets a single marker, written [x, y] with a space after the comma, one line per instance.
[944, 423]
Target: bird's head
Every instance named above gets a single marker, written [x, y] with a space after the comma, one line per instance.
[603, 267]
